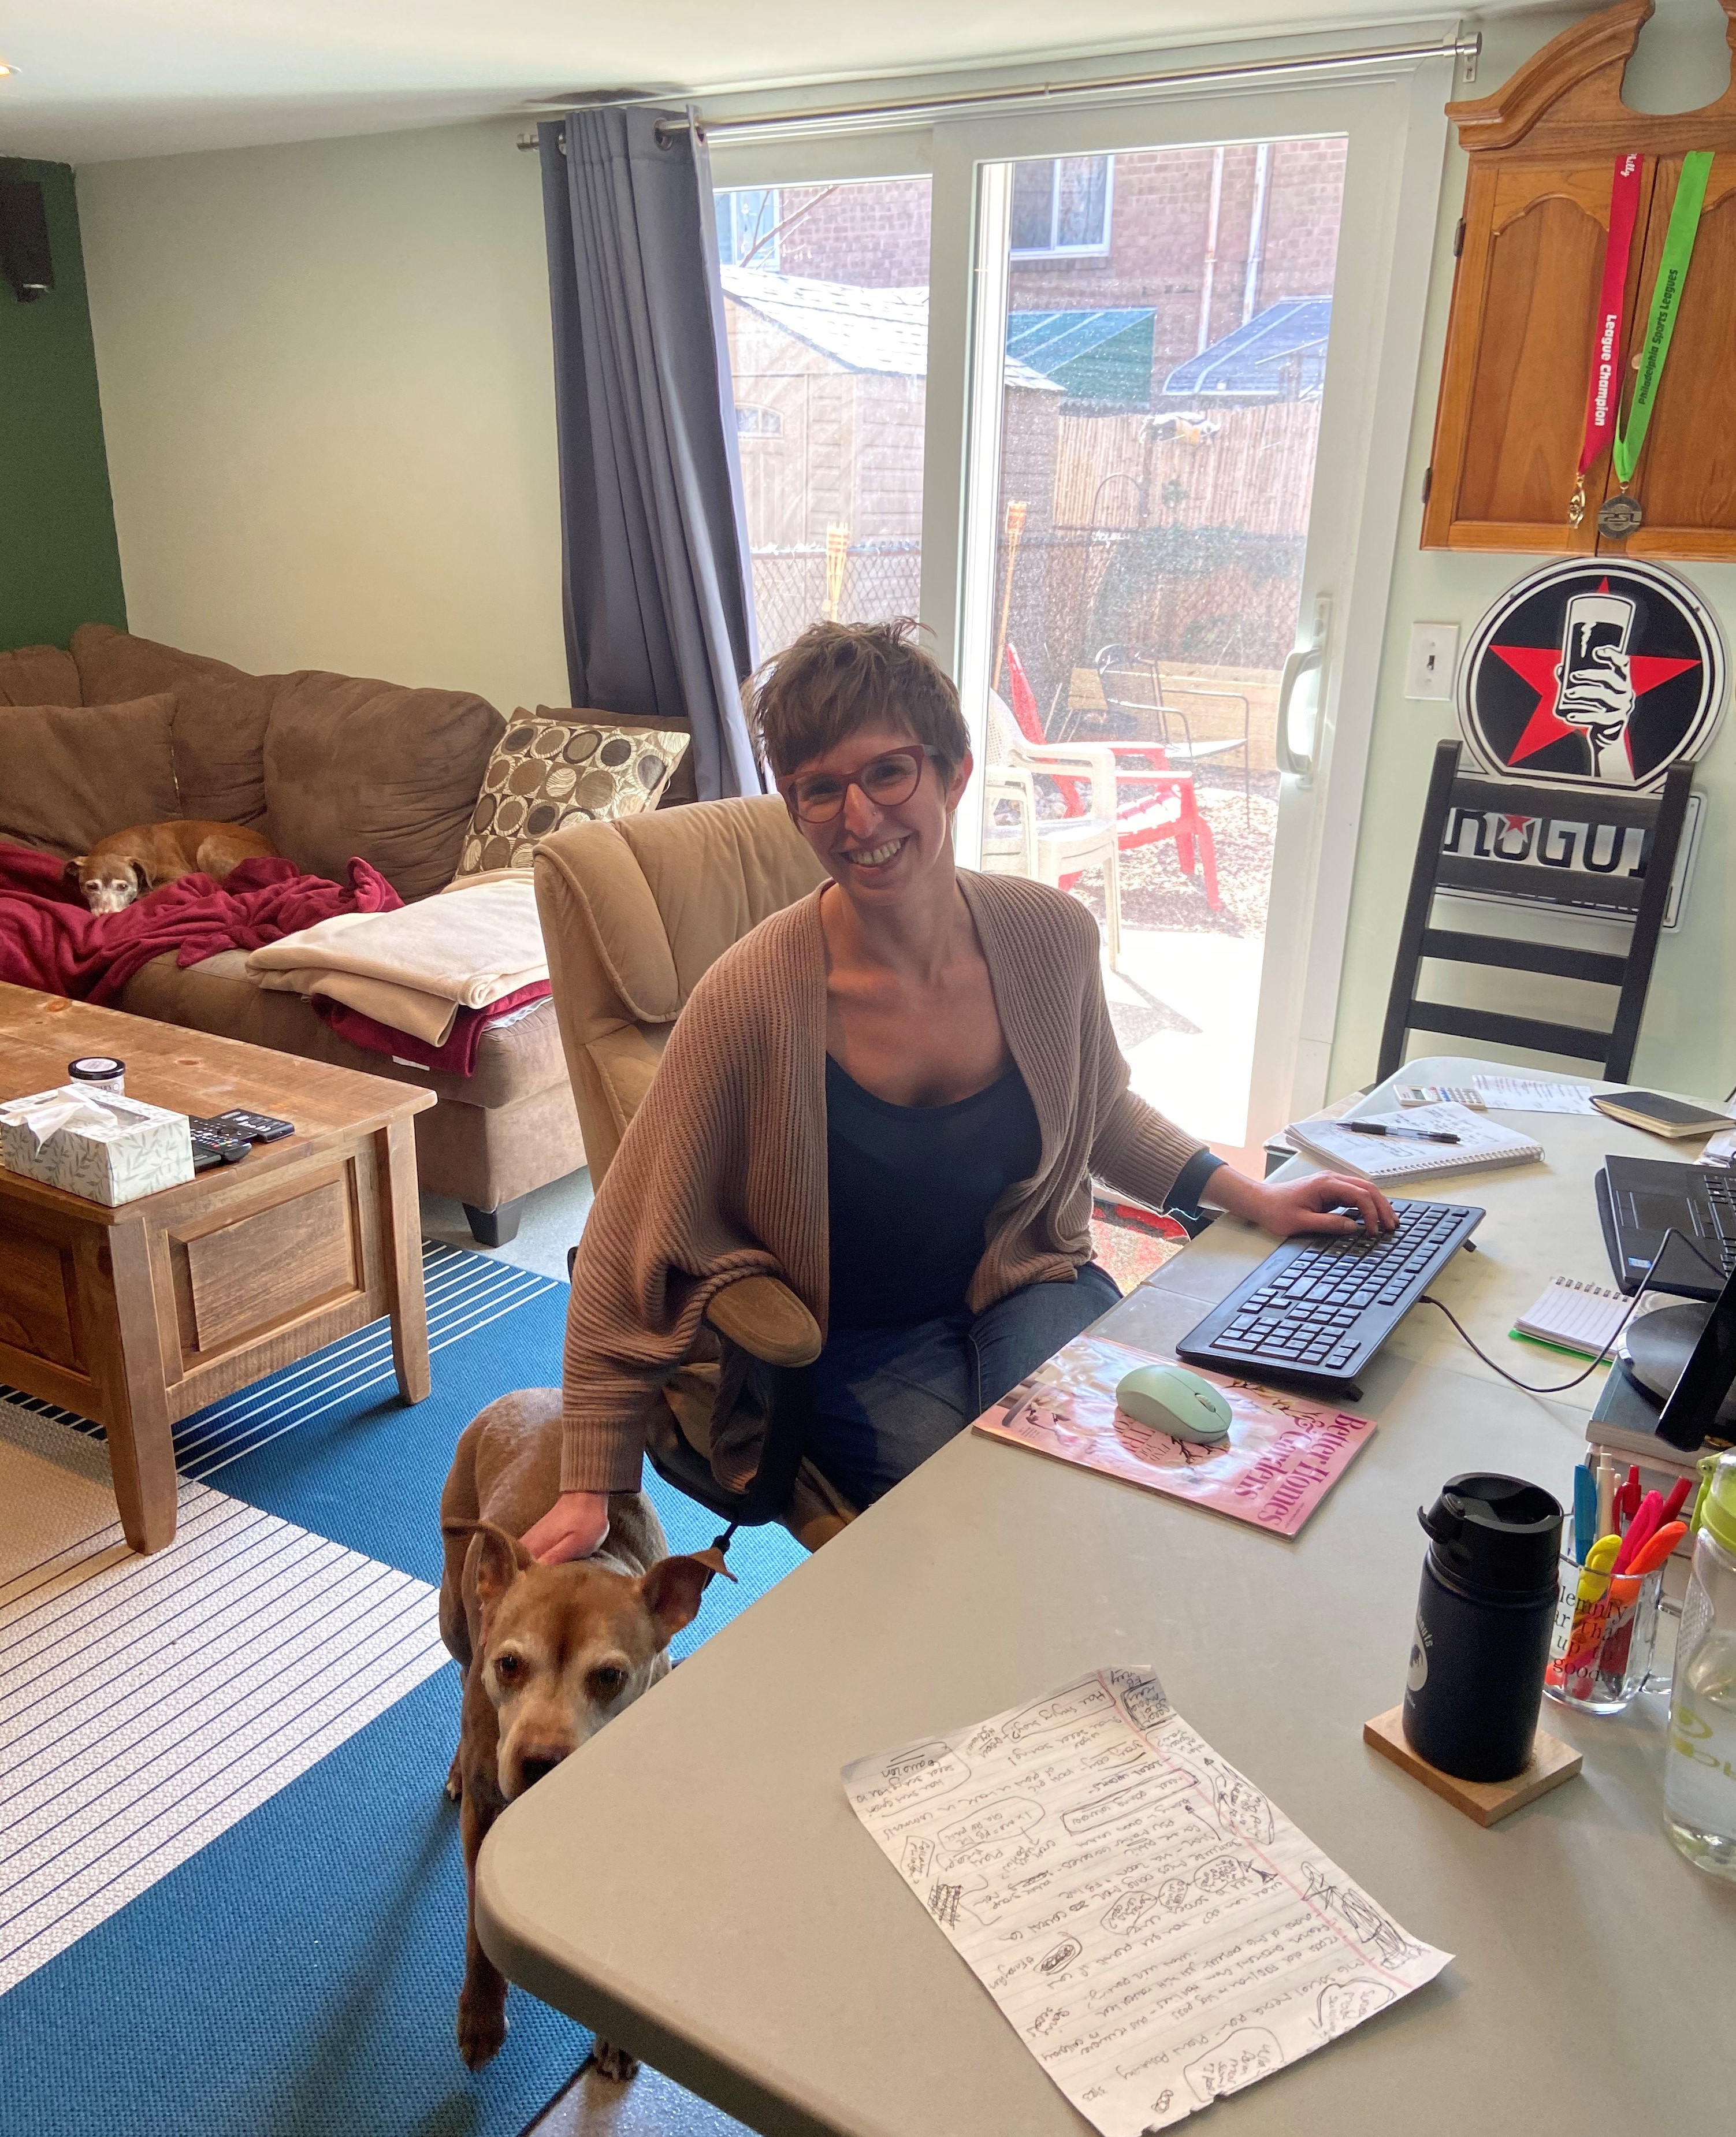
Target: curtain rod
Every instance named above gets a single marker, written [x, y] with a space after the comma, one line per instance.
[840, 118]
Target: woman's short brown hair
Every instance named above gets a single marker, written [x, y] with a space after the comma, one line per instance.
[837, 678]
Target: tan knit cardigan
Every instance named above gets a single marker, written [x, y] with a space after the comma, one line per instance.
[721, 1173]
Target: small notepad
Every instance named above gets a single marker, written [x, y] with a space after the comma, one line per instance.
[1573, 1317]
[1482, 1145]
[1531, 1094]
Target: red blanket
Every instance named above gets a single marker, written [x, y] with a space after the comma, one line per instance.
[456, 1054]
[50, 939]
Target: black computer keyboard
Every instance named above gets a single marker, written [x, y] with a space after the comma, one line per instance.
[1319, 1306]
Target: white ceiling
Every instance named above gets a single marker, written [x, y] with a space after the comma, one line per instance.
[98, 79]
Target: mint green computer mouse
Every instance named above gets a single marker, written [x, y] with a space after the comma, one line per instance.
[1171, 1398]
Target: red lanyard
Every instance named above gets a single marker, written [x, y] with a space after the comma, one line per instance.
[1603, 391]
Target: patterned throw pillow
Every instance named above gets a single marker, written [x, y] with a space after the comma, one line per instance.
[547, 772]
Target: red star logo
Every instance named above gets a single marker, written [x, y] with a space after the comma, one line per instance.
[1540, 666]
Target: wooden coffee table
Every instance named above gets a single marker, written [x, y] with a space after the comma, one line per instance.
[137, 1316]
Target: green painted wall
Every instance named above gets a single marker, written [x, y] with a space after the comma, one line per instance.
[59, 564]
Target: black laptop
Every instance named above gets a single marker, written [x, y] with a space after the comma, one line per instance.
[1639, 1199]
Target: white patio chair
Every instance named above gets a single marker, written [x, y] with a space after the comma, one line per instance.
[1018, 841]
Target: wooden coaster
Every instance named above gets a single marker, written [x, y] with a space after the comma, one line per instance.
[1552, 1762]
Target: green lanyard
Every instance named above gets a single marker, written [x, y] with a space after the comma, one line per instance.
[1690, 193]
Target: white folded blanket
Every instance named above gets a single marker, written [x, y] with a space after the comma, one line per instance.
[416, 968]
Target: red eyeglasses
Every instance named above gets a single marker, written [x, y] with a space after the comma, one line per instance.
[816, 797]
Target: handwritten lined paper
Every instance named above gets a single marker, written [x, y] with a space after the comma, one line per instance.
[1533, 1094]
[1155, 1928]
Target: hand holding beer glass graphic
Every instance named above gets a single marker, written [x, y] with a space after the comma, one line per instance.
[1597, 694]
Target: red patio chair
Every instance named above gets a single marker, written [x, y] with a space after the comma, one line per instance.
[1168, 808]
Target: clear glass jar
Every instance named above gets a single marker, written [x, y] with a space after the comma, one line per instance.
[1700, 1766]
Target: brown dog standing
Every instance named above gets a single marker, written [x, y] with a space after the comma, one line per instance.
[549, 1653]
[126, 863]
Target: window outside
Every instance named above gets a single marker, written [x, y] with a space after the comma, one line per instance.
[747, 226]
[825, 302]
[1061, 205]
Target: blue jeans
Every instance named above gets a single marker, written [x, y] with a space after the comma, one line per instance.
[886, 1399]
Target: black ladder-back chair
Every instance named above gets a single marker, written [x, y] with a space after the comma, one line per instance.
[1658, 815]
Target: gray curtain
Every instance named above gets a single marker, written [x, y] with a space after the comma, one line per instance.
[658, 605]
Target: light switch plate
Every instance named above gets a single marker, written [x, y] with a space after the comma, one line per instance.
[1434, 657]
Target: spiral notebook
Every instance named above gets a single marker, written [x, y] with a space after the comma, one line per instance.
[1482, 1145]
[1572, 1316]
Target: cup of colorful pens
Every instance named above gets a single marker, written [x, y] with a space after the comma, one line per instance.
[1607, 1611]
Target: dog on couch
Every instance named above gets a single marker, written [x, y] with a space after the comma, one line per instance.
[127, 863]
[549, 1653]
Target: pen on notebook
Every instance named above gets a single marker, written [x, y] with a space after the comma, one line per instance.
[1413, 1134]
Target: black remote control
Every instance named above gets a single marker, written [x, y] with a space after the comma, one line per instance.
[214, 1143]
[256, 1127]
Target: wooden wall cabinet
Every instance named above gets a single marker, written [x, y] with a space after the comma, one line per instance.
[1511, 415]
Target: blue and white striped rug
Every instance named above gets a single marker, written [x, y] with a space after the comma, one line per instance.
[146, 1704]
[241, 1798]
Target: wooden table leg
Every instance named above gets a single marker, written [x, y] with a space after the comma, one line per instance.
[401, 1215]
[141, 1450]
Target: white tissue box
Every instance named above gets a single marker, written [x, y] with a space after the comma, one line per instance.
[119, 1149]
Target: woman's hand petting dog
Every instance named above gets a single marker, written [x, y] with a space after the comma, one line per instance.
[576, 1526]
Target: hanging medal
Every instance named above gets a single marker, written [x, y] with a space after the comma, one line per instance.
[1603, 393]
[1621, 515]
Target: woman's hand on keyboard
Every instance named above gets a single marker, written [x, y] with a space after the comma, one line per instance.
[1316, 1204]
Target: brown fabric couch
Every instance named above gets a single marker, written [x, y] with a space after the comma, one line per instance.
[329, 766]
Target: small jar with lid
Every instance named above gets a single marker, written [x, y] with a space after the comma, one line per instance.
[99, 1073]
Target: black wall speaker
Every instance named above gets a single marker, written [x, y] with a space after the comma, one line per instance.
[24, 254]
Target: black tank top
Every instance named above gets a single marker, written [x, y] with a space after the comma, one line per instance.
[910, 1188]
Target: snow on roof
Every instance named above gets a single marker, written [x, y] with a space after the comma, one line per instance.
[860, 329]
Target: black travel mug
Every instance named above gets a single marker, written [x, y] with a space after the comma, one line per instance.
[1483, 1623]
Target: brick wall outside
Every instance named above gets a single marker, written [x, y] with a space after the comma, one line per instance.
[1301, 233]
[873, 234]
[1159, 223]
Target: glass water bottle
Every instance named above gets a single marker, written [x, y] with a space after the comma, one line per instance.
[1700, 1767]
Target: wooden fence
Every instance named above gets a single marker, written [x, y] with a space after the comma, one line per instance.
[1249, 469]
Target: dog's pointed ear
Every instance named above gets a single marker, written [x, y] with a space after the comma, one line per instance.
[500, 1560]
[672, 1588]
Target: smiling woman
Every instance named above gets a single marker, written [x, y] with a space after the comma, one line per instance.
[893, 1096]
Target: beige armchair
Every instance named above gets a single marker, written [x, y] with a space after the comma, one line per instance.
[634, 912]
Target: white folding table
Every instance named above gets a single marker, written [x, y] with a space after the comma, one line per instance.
[695, 1885]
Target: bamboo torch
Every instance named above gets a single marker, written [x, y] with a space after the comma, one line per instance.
[1015, 534]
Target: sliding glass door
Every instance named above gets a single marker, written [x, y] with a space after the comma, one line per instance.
[1158, 423]
[1152, 410]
